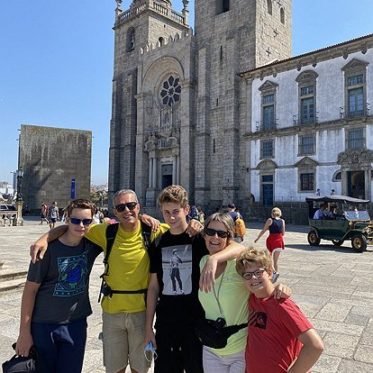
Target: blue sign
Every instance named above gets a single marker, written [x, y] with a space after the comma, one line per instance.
[73, 189]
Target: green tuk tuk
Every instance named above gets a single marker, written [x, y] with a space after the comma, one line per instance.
[341, 218]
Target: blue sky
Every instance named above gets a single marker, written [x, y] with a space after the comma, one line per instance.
[56, 63]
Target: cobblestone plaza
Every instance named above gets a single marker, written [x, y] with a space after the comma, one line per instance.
[333, 286]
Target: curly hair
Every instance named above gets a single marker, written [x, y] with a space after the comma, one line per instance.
[253, 256]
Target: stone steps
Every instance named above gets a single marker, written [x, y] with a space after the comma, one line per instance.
[11, 279]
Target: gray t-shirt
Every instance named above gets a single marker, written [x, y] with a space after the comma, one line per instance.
[64, 277]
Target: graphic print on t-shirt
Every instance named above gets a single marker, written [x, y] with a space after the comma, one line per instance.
[72, 278]
[258, 319]
[177, 269]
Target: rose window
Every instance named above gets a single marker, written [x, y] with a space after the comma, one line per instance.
[170, 91]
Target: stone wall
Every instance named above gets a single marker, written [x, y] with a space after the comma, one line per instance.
[51, 158]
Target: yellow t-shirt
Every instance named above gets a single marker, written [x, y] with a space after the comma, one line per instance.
[128, 267]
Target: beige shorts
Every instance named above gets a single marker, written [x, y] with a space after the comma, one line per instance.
[123, 339]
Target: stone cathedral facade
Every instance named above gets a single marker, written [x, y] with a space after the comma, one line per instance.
[225, 111]
[179, 106]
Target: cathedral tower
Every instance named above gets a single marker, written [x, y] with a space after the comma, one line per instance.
[232, 36]
[146, 24]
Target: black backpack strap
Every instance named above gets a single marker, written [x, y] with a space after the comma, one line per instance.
[146, 232]
[111, 232]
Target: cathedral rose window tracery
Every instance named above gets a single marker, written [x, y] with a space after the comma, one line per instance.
[170, 91]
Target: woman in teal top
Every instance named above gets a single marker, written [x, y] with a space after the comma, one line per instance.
[228, 299]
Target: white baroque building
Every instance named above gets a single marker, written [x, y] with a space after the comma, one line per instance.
[228, 113]
[311, 124]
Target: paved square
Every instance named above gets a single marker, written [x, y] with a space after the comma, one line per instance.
[333, 286]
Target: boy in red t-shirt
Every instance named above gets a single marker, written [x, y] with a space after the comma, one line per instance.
[280, 338]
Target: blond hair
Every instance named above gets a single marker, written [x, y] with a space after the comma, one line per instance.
[276, 212]
[253, 256]
[225, 219]
[173, 194]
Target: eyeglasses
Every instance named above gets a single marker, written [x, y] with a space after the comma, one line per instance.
[150, 352]
[212, 232]
[249, 275]
[122, 206]
[77, 221]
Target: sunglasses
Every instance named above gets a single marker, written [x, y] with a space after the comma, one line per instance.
[212, 232]
[249, 275]
[77, 221]
[122, 206]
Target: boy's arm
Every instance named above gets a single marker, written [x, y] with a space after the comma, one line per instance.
[24, 341]
[312, 348]
[38, 249]
[151, 302]
[207, 277]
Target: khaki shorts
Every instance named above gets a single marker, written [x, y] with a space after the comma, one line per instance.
[123, 338]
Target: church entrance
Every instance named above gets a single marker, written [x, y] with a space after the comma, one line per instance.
[356, 184]
[166, 173]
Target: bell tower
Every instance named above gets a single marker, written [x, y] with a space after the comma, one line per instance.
[232, 36]
[145, 24]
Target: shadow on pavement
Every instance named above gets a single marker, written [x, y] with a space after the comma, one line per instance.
[341, 249]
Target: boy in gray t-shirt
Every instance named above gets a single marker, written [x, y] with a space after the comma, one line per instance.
[55, 302]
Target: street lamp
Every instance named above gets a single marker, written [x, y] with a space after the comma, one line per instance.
[19, 199]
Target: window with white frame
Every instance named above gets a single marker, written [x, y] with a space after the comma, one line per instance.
[307, 182]
[355, 138]
[268, 107]
[306, 145]
[266, 149]
[355, 88]
[307, 97]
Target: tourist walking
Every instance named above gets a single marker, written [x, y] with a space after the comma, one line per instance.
[275, 240]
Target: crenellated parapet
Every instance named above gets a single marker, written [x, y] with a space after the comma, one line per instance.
[141, 6]
[166, 43]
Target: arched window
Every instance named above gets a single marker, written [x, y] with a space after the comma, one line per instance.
[130, 39]
[161, 41]
[269, 7]
[282, 16]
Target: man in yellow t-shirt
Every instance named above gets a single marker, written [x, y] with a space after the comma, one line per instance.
[123, 317]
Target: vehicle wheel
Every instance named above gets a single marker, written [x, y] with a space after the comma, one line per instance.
[338, 242]
[359, 243]
[313, 238]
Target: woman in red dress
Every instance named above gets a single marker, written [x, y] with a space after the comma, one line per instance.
[275, 240]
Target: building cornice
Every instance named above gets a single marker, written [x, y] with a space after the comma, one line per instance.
[361, 44]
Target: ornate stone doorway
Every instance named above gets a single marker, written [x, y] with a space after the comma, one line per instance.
[166, 175]
[356, 184]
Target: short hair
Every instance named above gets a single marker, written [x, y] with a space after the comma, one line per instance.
[276, 212]
[258, 257]
[173, 194]
[123, 191]
[224, 218]
[80, 204]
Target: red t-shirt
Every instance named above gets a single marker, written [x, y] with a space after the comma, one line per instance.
[274, 326]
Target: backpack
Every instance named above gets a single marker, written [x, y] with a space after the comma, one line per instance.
[111, 232]
[239, 228]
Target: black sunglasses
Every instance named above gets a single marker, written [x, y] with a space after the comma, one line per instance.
[122, 206]
[212, 232]
[78, 221]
